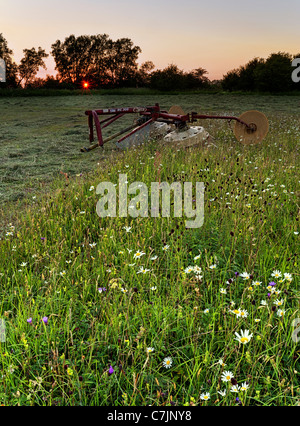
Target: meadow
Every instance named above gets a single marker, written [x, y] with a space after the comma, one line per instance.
[143, 311]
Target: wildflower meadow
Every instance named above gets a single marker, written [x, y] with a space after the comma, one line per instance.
[123, 311]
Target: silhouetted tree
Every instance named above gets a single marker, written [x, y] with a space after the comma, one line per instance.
[265, 75]
[274, 75]
[122, 62]
[143, 75]
[11, 66]
[247, 75]
[31, 62]
[79, 58]
[196, 79]
[170, 78]
[95, 58]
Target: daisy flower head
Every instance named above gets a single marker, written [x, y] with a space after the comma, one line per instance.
[139, 254]
[288, 277]
[206, 311]
[143, 270]
[127, 228]
[197, 270]
[245, 275]
[256, 283]
[223, 291]
[276, 274]
[244, 387]
[280, 313]
[235, 389]
[197, 257]
[236, 312]
[244, 337]
[244, 313]
[205, 396]
[213, 266]
[279, 302]
[222, 393]
[167, 362]
[227, 376]
[149, 350]
[189, 269]
[166, 247]
[221, 362]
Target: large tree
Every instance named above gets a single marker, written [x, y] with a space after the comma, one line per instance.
[122, 62]
[95, 58]
[143, 75]
[79, 58]
[29, 65]
[11, 67]
[274, 75]
[170, 78]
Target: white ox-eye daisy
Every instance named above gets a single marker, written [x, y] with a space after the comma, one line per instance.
[167, 362]
[244, 337]
[227, 376]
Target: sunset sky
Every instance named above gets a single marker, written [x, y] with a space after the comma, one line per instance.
[218, 35]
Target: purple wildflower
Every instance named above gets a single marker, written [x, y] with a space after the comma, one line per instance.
[29, 320]
[111, 370]
[272, 284]
[45, 320]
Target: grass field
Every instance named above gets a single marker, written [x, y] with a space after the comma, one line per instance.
[124, 311]
[41, 136]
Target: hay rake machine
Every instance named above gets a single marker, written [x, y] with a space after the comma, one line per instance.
[173, 126]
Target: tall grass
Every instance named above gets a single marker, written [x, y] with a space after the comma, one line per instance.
[109, 328]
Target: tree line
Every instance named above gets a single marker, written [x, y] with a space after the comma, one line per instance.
[105, 63]
[98, 60]
[273, 74]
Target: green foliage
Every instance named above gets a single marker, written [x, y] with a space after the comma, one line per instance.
[263, 75]
[172, 78]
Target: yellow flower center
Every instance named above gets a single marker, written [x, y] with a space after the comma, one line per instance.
[244, 340]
